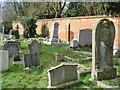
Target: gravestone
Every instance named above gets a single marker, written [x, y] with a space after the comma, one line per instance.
[54, 34]
[59, 57]
[102, 49]
[74, 43]
[14, 42]
[62, 75]
[34, 47]
[85, 37]
[30, 60]
[13, 49]
[3, 61]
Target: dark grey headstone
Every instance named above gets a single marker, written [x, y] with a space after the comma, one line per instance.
[35, 59]
[13, 49]
[85, 37]
[27, 60]
[34, 47]
[31, 60]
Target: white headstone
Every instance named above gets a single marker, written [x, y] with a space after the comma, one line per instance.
[3, 61]
[74, 43]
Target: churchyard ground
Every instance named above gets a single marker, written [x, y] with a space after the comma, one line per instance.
[16, 77]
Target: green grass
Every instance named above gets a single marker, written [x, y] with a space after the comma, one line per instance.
[16, 77]
[84, 81]
[85, 48]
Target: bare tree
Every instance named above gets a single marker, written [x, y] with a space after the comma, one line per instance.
[58, 7]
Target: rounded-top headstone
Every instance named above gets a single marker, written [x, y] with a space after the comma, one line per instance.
[102, 49]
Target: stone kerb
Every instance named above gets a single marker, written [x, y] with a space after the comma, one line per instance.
[62, 75]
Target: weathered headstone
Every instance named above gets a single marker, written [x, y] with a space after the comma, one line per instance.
[54, 34]
[13, 49]
[102, 49]
[3, 60]
[74, 43]
[59, 57]
[14, 42]
[62, 75]
[85, 37]
[30, 60]
[34, 47]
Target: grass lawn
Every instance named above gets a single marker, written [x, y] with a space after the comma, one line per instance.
[16, 77]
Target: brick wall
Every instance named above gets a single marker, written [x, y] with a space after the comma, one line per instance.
[76, 23]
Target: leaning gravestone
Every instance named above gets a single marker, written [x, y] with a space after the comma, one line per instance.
[85, 37]
[62, 75]
[30, 60]
[3, 61]
[34, 47]
[54, 35]
[13, 49]
[102, 47]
